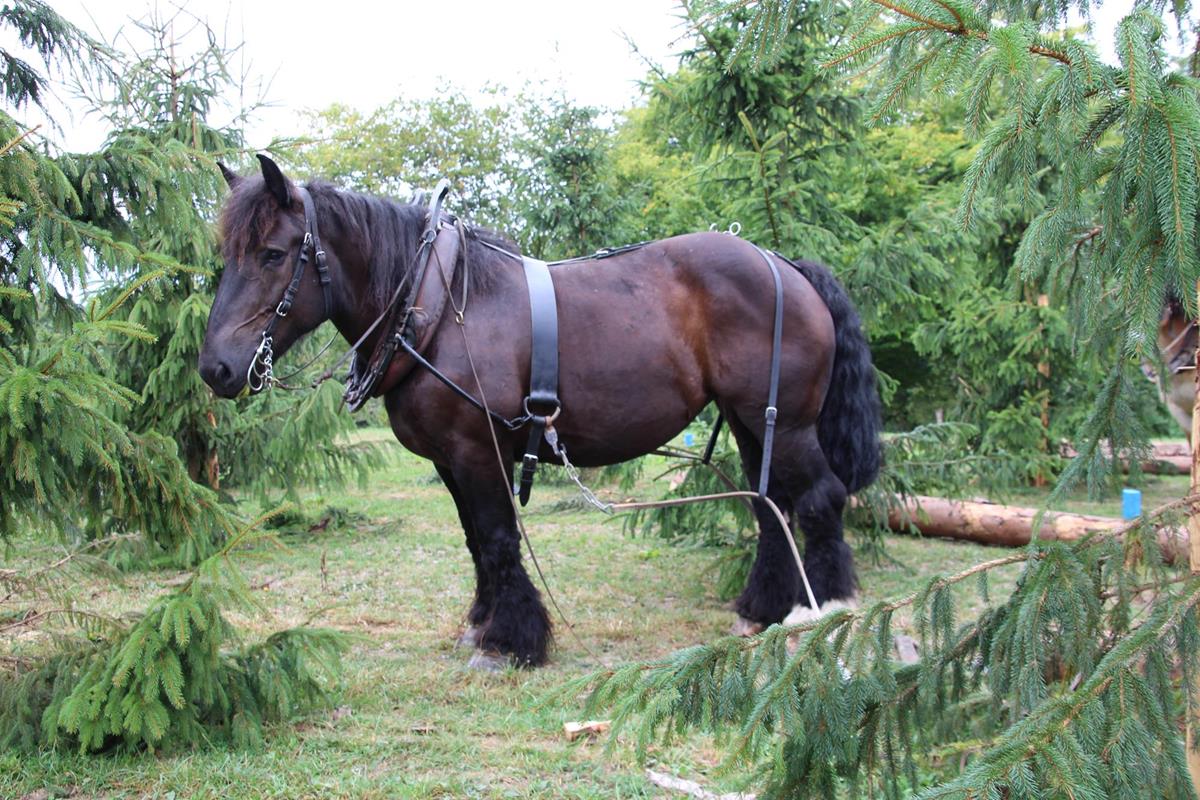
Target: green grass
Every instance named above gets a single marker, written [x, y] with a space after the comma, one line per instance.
[411, 720]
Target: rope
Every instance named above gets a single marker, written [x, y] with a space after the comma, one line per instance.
[787, 531]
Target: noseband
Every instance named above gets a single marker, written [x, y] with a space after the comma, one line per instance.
[260, 373]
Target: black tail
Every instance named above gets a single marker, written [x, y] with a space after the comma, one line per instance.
[848, 427]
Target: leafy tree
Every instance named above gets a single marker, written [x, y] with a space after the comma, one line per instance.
[408, 145]
[534, 167]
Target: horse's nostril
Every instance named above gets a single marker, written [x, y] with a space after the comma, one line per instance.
[216, 373]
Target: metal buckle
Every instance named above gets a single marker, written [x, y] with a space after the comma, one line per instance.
[281, 310]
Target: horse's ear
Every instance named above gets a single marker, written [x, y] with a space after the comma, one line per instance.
[277, 185]
[231, 177]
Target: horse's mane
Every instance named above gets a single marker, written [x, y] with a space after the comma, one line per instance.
[386, 231]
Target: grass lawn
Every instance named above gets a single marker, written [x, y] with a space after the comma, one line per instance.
[411, 721]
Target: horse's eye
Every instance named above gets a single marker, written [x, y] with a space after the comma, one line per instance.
[272, 256]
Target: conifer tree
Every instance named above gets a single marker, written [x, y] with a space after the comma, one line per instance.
[1114, 229]
[84, 460]
[1078, 683]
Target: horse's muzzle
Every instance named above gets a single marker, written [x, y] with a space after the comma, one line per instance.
[221, 377]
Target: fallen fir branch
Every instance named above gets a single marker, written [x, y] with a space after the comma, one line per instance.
[826, 702]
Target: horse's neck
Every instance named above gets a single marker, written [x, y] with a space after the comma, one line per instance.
[355, 308]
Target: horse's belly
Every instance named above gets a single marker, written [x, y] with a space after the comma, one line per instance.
[614, 422]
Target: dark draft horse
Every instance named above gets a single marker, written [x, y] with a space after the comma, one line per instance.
[648, 338]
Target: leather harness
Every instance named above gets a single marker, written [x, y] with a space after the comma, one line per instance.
[409, 326]
[543, 367]
[400, 319]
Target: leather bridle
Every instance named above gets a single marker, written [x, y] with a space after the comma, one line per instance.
[261, 373]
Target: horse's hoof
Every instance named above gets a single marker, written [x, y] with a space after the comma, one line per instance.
[469, 638]
[484, 661]
[801, 615]
[744, 627]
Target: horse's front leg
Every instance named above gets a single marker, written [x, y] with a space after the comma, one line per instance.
[512, 623]
[481, 607]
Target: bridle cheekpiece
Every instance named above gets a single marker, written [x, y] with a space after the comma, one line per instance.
[260, 374]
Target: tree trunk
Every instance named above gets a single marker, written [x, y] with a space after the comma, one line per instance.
[1193, 524]
[1011, 526]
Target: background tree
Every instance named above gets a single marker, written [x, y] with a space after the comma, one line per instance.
[408, 145]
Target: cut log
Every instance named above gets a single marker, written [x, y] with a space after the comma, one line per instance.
[1167, 465]
[1012, 526]
[1168, 458]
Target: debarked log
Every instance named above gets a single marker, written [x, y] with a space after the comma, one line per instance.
[1012, 526]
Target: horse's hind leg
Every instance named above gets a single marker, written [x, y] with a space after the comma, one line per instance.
[818, 499]
[482, 604]
[774, 582]
[803, 484]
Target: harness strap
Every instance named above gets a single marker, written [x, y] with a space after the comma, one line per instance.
[543, 368]
[313, 238]
[712, 439]
[360, 389]
[772, 412]
[511, 424]
[261, 370]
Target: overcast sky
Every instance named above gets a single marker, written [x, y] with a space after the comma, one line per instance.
[365, 54]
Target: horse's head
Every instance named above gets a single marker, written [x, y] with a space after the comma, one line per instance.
[263, 228]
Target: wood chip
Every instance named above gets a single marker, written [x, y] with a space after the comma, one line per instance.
[593, 727]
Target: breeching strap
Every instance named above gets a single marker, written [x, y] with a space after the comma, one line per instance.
[772, 412]
[768, 446]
